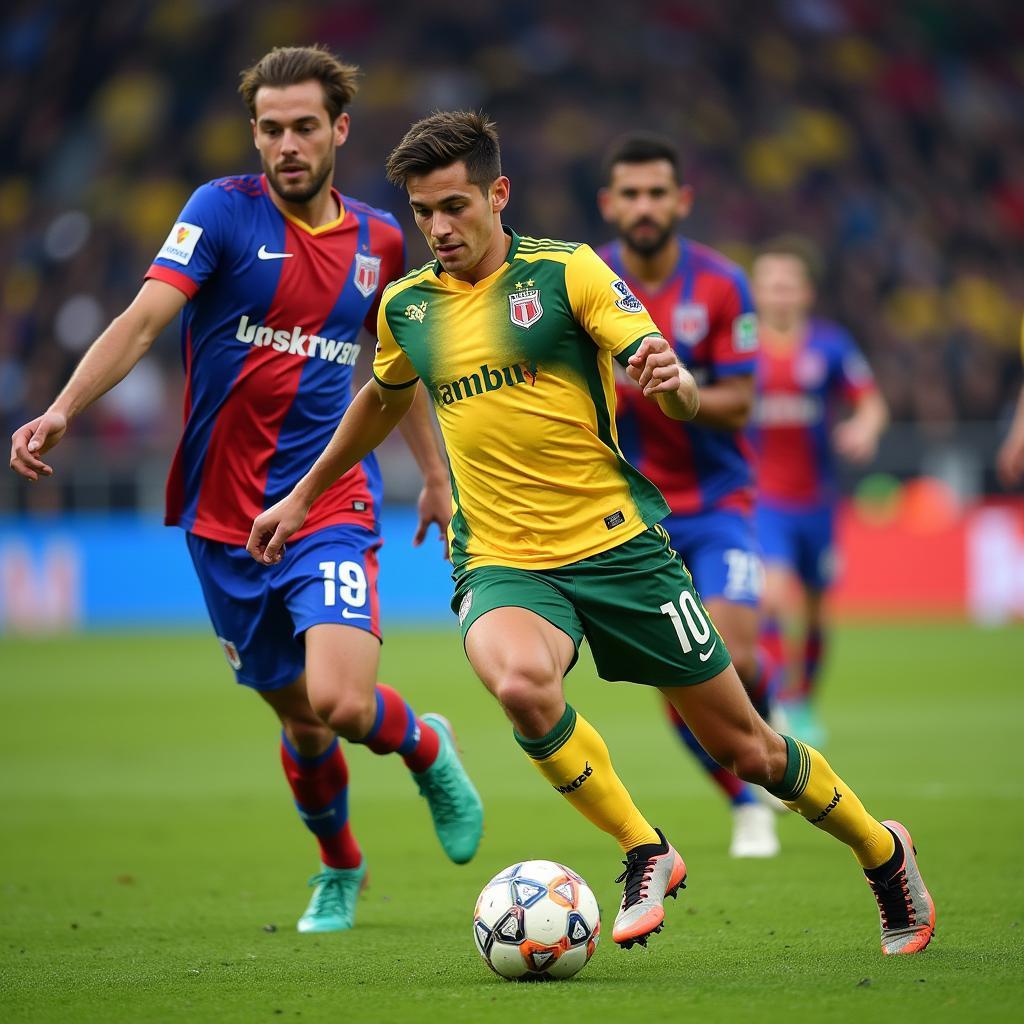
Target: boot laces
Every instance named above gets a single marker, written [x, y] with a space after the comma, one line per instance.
[636, 876]
[894, 901]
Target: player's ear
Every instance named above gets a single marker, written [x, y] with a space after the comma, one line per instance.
[341, 126]
[499, 193]
[685, 203]
[252, 122]
[604, 204]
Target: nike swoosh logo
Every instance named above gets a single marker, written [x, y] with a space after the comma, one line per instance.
[346, 614]
[264, 255]
[704, 655]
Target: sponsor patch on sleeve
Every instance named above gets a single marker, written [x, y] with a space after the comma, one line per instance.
[744, 332]
[181, 243]
[625, 299]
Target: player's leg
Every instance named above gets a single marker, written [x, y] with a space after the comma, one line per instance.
[330, 583]
[815, 565]
[720, 550]
[318, 776]
[521, 634]
[255, 631]
[722, 717]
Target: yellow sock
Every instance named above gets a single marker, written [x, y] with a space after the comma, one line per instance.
[813, 790]
[575, 760]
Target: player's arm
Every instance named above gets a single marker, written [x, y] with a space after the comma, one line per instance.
[728, 403]
[1010, 460]
[661, 376]
[107, 362]
[435, 501]
[856, 438]
[373, 414]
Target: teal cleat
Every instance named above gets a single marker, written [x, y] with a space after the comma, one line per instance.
[803, 723]
[333, 906]
[455, 805]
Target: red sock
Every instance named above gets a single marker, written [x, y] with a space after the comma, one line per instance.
[397, 730]
[320, 787]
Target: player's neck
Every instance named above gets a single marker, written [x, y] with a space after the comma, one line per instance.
[784, 332]
[654, 269]
[497, 252]
[320, 210]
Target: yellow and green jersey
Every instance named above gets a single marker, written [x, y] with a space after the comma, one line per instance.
[520, 369]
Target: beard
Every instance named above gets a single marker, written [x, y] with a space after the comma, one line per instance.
[650, 242]
[300, 193]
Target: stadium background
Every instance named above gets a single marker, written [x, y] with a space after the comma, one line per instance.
[150, 864]
[890, 134]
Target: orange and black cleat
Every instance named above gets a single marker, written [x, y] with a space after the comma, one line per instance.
[652, 873]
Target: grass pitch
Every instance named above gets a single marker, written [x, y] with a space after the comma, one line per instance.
[153, 867]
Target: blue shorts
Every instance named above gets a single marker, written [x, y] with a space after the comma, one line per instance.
[260, 612]
[721, 551]
[802, 540]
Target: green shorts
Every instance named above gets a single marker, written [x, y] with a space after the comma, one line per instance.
[634, 603]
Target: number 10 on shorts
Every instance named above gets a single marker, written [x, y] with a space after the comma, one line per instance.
[346, 577]
[697, 626]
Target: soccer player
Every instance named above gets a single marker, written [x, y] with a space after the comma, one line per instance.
[554, 535]
[276, 275]
[701, 301]
[809, 370]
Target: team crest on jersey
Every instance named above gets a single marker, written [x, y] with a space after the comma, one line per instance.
[367, 274]
[231, 653]
[690, 322]
[625, 299]
[524, 308]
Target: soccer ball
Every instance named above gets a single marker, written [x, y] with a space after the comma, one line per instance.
[535, 921]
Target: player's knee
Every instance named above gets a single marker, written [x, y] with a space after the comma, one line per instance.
[524, 690]
[350, 715]
[307, 734]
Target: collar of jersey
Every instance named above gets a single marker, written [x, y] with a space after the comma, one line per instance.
[485, 282]
[301, 224]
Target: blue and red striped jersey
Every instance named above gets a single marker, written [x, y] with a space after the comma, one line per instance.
[270, 336]
[801, 387]
[705, 310]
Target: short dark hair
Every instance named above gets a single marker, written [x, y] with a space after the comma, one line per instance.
[799, 248]
[640, 148]
[444, 138]
[290, 65]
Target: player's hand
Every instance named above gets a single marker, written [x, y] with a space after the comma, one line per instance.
[272, 528]
[434, 506]
[855, 441]
[1010, 461]
[34, 439]
[654, 367]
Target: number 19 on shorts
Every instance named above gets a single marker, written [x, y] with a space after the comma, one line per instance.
[696, 625]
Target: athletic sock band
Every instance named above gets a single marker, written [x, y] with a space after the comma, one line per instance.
[553, 741]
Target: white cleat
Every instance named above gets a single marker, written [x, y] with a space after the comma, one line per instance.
[753, 832]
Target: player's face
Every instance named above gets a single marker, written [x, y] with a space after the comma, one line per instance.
[460, 221]
[644, 202]
[296, 139]
[781, 288]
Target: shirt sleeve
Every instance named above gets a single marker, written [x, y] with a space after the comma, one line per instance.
[392, 267]
[851, 374]
[733, 336]
[604, 305]
[193, 247]
[391, 366]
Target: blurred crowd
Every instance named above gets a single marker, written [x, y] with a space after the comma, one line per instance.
[889, 133]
